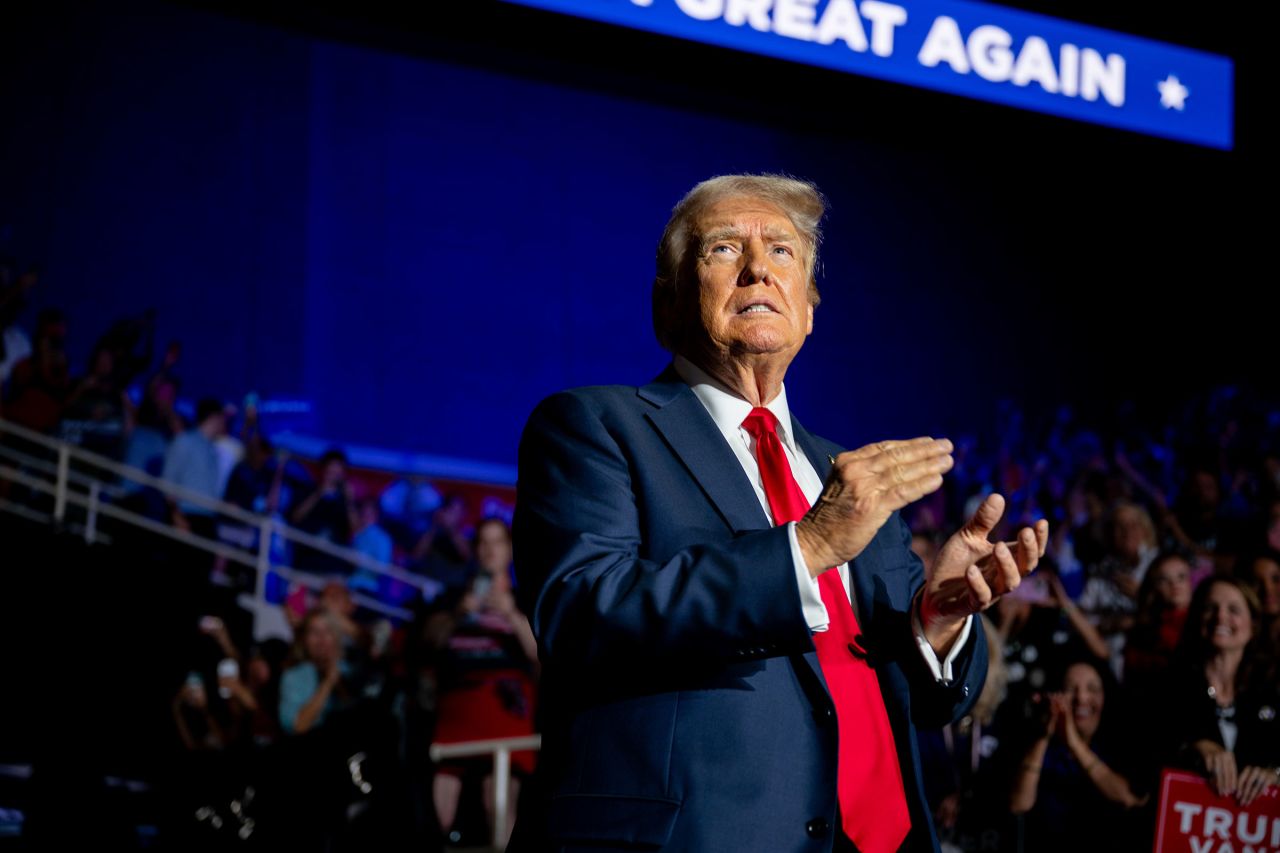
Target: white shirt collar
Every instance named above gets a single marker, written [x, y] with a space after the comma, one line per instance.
[728, 408]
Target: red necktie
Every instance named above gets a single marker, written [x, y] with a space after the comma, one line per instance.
[873, 808]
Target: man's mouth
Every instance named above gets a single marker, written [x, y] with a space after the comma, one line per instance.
[759, 308]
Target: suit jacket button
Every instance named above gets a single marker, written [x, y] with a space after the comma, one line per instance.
[965, 690]
[817, 827]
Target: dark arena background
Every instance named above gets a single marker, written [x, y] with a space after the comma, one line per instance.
[375, 236]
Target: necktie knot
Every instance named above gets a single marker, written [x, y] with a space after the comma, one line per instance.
[760, 422]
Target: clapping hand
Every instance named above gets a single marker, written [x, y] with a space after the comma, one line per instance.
[865, 487]
[970, 572]
[1064, 719]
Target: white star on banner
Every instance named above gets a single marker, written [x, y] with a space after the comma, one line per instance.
[1173, 95]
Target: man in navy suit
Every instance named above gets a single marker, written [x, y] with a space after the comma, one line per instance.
[684, 706]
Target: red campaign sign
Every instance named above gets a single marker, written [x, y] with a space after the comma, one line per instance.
[1193, 819]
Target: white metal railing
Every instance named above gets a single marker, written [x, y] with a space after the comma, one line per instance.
[70, 486]
[500, 749]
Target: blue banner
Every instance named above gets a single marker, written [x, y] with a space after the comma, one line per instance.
[977, 50]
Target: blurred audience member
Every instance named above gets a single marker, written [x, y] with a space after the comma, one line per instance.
[1163, 599]
[156, 424]
[1262, 573]
[131, 342]
[1071, 782]
[1222, 693]
[257, 481]
[14, 343]
[336, 600]
[230, 449]
[40, 383]
[442, 553]
[1197, 521]
[487, 659]
[491, 543]
[239, 701]
[1111, 591]
[97, 413]
[407, 505]
[167, 371]
[256, 485]
[194, 721]
[1273, 523]
[375, 543]
[327, 512]
[262, 678]
[192, 462]
[312, 686]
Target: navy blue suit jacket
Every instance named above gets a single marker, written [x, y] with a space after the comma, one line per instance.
[683, 707]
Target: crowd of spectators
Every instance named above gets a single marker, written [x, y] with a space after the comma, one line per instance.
[127, 407]
[1148, 638]
[319, 738]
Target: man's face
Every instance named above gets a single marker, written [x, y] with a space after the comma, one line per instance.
[753, 287]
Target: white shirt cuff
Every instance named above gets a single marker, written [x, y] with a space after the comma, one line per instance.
[942, 672]
[815, 612]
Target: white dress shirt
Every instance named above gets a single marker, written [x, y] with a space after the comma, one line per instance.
[729, 410]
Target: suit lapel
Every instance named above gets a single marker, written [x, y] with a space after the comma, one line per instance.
[694, 437]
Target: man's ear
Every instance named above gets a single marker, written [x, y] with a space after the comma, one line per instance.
[809, 329]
